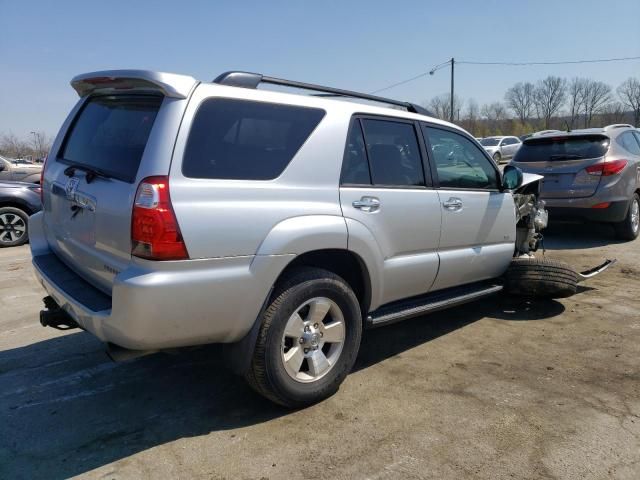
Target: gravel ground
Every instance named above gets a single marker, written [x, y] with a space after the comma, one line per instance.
[502, 388]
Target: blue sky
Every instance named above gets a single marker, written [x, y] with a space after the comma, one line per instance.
[360, 45]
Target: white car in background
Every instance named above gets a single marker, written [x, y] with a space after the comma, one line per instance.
[501, 148]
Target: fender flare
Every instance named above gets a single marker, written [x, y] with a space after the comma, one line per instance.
[297, 235]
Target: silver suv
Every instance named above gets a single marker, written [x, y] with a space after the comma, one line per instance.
[591, 174]
[179, 212]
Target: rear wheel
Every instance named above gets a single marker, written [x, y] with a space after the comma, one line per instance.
[309, 339]
[497, 157]
[629, 228]
[14, 225]
[540, 277]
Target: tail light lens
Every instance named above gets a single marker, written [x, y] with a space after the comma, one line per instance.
[155, 234]
[44, 164]
[607, 169]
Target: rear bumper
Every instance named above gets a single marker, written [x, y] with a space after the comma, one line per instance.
[158, 305]
[565, 210]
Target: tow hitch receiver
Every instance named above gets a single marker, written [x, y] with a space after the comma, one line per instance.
[592, 272]
[53, 316]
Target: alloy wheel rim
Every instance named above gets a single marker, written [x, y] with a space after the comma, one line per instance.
[12, 227]
[635, 215]
[313, 340]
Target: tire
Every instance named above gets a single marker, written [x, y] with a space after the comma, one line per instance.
[497, 157]
[629, 228]
[541, 278]
[14, 227]
[281, 381]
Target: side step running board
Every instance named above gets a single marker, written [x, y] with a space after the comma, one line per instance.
[430, 303]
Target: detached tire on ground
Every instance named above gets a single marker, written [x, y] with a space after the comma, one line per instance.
[540, 278]
[308, 340]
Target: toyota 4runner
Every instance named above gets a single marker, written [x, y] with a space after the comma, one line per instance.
[179, 213]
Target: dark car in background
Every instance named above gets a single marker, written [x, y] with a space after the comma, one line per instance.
[590, 174]
[18, 200]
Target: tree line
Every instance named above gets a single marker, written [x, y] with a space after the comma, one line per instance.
[35, 147]
[551, 103]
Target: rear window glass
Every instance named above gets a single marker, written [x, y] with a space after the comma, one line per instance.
[111, 133]
[245, 140]
[562, 148]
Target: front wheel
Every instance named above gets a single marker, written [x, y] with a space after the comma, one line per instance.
[308, 340]
[14, 225]
[629, 228]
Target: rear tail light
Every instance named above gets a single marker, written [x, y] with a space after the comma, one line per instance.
[601, 205]
[607, 169]
[44, 164]
[155, 234]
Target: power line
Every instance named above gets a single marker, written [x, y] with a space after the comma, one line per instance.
[510, 64]
[568, 62]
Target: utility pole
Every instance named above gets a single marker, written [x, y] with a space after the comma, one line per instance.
[438, 67]
[452, 75]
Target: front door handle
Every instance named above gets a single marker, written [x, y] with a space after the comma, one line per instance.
[453, 204]
[367, 204]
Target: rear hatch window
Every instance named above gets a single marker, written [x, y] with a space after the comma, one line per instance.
[550, 149]
[110, 134]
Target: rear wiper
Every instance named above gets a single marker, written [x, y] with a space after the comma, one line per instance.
[566, 156]
[91, 173]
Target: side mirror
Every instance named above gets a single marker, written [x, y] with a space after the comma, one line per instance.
[511, 178]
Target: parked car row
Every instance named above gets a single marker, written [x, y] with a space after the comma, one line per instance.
[19, 170]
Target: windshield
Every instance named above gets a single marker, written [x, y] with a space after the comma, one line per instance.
[562, 148]
[490, 142]
[110, 134]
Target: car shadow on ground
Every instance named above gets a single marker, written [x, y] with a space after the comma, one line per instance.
[67, 409]
[575, 236]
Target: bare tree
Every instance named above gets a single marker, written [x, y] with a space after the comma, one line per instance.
[520, 99]
[441, 106]
[575, 92]
[494, 113]
[612, 112]
[629, 93]
[13, 147]
[595, 96]
[40, 143]
[549, 97]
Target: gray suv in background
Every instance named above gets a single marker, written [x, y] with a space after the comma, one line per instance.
[591, 174]
[179, 213]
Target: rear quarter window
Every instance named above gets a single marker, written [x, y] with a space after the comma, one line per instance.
[562, 148]
[110, 134]
[246, 140]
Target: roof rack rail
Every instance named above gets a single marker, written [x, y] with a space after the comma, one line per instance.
[252, 80]
[617, 125]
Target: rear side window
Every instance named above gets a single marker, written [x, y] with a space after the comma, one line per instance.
[110, 134]
[245, 140]
[562, 148]
[393, 152]
[629, 143]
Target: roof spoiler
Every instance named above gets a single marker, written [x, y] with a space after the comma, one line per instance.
[252, 80]
[110, 81]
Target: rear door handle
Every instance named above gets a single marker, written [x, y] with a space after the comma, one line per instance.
[367, 204]
[453, 204]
